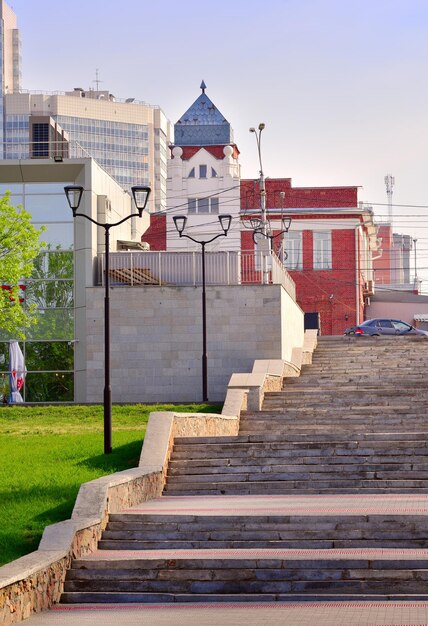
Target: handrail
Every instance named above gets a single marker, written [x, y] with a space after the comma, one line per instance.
[159, 268]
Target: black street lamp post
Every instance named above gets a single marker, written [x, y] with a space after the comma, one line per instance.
[74, 196]
[180, 223]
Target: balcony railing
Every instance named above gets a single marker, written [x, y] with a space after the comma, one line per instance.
[185, 269]
[48, 149]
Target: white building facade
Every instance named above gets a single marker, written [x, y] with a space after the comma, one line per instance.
[203, 177]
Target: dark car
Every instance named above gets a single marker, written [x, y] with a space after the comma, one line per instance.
[378, 326]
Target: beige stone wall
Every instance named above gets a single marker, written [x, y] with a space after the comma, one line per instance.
[156, 339]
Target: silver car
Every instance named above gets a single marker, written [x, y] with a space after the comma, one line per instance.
[379, 326]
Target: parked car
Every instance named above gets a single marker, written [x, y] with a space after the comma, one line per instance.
[377, 327]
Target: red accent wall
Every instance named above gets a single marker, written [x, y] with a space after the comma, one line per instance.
[314, 288]
[216, 151]
[296, 197]
[155, 235]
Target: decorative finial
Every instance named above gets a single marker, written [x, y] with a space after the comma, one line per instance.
[203, 86]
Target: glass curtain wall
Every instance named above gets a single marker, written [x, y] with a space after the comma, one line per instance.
[49, 346]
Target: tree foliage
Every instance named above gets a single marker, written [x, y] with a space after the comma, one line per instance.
[19, 245]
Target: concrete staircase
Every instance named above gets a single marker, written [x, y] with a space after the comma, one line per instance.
[348, 439]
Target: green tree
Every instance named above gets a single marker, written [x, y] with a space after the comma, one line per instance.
[19, 245]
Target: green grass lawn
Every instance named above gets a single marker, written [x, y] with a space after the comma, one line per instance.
[46, 453]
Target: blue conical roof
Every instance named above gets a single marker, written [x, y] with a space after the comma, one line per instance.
[202, 125]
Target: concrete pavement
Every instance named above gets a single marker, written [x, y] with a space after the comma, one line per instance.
[311, 614]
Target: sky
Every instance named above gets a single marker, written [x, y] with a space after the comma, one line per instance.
[342, 85]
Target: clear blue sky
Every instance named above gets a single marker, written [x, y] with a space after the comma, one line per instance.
[342, 85]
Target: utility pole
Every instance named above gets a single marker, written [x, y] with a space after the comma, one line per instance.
[415, 285]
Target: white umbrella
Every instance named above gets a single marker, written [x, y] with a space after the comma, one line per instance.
[17, 372]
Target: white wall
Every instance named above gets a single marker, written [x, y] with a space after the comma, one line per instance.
[397, 310]
[225, 186]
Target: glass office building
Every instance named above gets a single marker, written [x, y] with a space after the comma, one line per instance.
[55, 349]
[49, 346]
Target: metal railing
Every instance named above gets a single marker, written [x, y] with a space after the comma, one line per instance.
[185, 269]
[49, 149]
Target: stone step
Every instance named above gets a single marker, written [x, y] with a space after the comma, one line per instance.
[341, 417]
[300, 471]
[135, 532]
[201, 576]
[297, 463]
[420, 437]
[263, 488]
[165, 598]
[298, 544]
[259, 474]
[340, 447]
[285, 426]
[378, 521]
[320, 398]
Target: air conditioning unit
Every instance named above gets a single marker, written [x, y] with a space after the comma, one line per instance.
[369, 288]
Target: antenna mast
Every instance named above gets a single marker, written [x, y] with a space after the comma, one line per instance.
[389, 182]
[97, 80]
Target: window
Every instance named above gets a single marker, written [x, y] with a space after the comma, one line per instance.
[192, 173]
[322, 251]
[202, 171]
[292, 247]
[401, 326]
[213, 173]
[203, 205]
[191, 205]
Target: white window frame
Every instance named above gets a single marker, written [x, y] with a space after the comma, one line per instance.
[198, 203]
[292, 244]
[322, 252]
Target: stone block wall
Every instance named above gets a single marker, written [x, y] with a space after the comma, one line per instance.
[156, 339]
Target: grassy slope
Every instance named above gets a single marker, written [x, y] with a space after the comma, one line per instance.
[45, 455]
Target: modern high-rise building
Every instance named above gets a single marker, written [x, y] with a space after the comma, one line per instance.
[128, 138]
[10, 59]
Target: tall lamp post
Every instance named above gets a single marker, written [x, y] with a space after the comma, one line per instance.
[74, 195]
[263, 227]
[180, 223]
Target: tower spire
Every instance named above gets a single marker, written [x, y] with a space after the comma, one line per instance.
[203, 86]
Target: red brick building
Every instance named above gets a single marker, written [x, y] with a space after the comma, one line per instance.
[328, 249]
